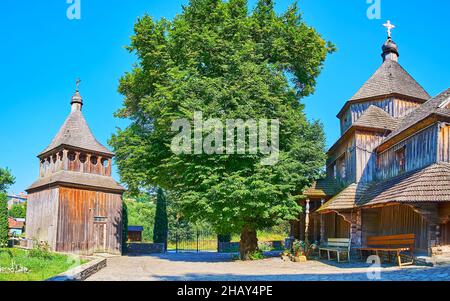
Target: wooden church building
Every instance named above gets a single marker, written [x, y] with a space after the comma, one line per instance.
[389, 172]
[75, 205]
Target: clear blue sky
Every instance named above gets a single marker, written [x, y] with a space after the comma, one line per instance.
[42, 53]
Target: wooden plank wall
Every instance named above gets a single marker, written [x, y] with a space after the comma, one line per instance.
[403, 107]
[444, 143]
[394, 106]
[396, 219]
[445, 234]
[420, 151]
[77, 209]
[357, 109]
[366, 159]
[336, 226]
[42, 211]
[347, 149]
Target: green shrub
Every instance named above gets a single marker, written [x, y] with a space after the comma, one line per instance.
[257, 255]
[40, 250]
[4, 229]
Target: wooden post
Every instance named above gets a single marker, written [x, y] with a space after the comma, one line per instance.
[65, 160]
[108, 170]
[77, 161]
[322, 226]
[88, 161]
[306, 219]
[316, 226]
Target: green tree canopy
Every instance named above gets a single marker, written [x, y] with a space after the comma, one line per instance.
[141, 212]
[228, 62]
[6, 179]
[18, 211]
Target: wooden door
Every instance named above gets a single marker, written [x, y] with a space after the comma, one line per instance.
[99, 237]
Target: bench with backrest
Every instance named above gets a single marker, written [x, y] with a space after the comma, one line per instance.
[391, 244]
[338, 245]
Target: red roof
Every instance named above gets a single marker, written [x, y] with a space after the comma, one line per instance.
[13, 224]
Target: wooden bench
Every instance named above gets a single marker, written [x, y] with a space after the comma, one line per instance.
[338, 245]
[391, 243]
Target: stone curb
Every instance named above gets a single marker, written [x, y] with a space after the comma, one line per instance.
[82, 272]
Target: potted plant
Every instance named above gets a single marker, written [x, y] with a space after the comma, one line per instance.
[298, 254]
[301, 250]
[285, 255]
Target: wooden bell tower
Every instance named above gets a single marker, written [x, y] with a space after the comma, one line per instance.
[75, 205]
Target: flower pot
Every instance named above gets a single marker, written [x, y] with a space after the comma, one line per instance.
[299, 258]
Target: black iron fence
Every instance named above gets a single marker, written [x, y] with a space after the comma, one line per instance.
[192, 239]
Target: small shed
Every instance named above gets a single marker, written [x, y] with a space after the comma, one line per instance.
[135, 233]
[16, 226]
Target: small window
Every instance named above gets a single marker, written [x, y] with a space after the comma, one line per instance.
[94, 160]
[100, 219]
[341, 167]
[71, 156]
[400, 158]
[105, 163]
[82, 158]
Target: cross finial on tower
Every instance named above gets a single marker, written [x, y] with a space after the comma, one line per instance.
[78, 83]
[389, 27]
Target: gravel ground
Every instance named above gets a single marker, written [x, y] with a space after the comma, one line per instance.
[221, 267]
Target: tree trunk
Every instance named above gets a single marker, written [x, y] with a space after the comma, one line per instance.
[248, 243]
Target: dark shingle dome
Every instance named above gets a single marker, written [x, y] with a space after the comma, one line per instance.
[389, 47]
[75, 132]
[391, 78]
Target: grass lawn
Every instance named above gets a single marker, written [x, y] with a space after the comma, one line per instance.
[39, 268]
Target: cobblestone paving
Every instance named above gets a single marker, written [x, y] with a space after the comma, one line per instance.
[220, 267]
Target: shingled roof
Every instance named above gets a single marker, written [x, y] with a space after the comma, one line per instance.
[76, 133]
[432, 106]
[431, 184]
[375, 117]
[391, 78]
[346, 199]
[322, 188]
[71, 178]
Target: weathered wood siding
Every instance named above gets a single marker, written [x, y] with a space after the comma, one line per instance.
[366, 158]
[444, 143]
[395, 219]
[42, 211]
[395, 107]
[420, 151]
[89, 221]
[347, 149]
[403, 107]
[336, 226]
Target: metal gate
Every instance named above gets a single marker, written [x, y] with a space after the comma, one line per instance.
[191, 238]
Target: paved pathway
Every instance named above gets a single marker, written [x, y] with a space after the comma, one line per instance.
[220, 267]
